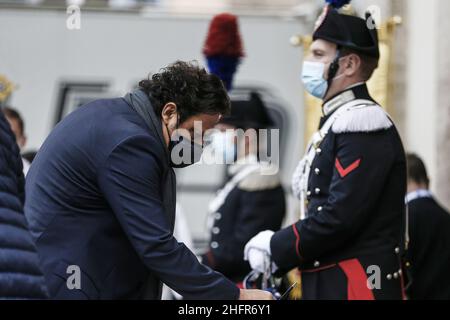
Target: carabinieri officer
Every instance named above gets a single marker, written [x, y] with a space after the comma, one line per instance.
[352, 180]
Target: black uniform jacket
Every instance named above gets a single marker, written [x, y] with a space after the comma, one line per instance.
[256, 204]
[355, 213]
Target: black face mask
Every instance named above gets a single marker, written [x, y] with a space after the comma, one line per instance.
[183, 152]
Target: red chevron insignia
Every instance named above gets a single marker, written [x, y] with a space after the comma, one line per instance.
[345, 172]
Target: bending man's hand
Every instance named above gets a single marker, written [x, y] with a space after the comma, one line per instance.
[257, 249]
[255, 295]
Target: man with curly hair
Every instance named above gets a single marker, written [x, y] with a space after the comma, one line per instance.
[101, 192]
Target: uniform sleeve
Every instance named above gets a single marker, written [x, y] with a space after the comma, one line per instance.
[130, 180]
[361, 167]
[258, 211]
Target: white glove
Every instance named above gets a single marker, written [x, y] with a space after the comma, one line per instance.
[257, 249]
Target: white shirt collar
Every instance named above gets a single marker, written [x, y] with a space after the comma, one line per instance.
[418, 194]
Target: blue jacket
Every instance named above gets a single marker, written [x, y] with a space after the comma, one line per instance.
[20, 277]
[97, 199]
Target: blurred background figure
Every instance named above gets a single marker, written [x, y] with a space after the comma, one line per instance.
[18, 128]
[429, 226]
[250, 201]
[20, 277]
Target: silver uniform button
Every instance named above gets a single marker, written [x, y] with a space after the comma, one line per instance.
[317, 190]
[308, 193]
[317, 171]
[316, 264]
[396, 275]
[216, 230]
[318, 151]
[397, 250]
[218, 216]
[389, 277]
[319, 209]
[214, 245]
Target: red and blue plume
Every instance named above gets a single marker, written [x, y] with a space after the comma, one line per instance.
[223, 47]
[337, 4]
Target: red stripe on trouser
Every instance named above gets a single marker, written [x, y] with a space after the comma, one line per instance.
[357, 287]
[402, 282]
[297, 241]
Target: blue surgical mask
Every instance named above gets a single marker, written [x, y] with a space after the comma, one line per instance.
[223, 145]
[312, 77]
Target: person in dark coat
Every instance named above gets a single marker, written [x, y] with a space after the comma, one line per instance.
[352, 181]
[101, 192]
[429, 230]
[251, 201]
[20, 276]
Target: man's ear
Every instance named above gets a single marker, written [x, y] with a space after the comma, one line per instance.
[168, 112]
[352, 64]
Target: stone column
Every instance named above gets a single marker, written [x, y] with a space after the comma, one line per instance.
[398, 7]
[421, 83]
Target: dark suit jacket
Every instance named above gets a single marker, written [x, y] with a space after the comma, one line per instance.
[429, 252]
[97, 198]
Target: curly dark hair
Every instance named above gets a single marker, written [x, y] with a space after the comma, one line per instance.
[190, 87]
